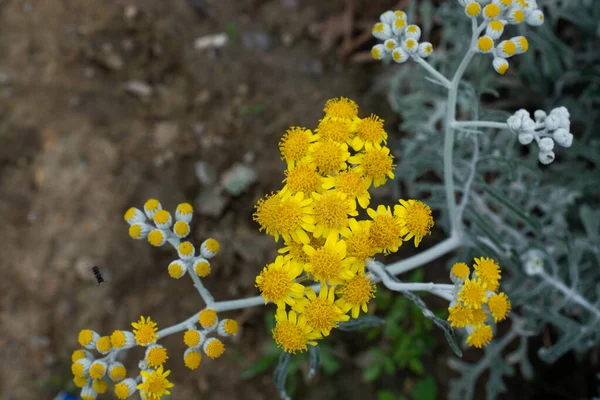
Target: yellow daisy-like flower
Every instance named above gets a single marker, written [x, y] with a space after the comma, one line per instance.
[303, 178]
[350, 184]
[461, 270]
[331, 213]
[356, 293]
[488, 271]
[144, 331]
[479, 317]
[156, 355]
[322, 315]
[80, 381]
[359, 244]
[292, 333]
[416, 218]
[192, 358]
[338, 130]
[499, 306]
[294, 251]
[155, 384]
[480, 337]
[276, 282]
[375, 164]
[472, 293]
[459, 316]
[341, 108]
[369, 131]
[329, 263]
[386, 230]
[329, 156]
[295, 143]
[290, 218]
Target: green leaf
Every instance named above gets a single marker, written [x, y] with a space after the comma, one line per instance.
[515, 209]
[425, 389]
[366, 321]
[259, 366]
[372, 372]
[416, 366]
[385, 395]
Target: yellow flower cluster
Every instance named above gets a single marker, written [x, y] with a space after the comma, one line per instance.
[328, 176]
[496, 16]
[90, 373]
[477, 301]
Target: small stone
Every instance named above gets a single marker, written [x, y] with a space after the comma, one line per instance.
[238, 179]
[205, 173]
[211, 202]
[165, 134]
[138, 88]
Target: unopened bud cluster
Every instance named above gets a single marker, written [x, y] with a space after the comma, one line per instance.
[400, 40]
[496, 14]
[546, 130]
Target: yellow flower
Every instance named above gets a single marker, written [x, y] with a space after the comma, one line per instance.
[295, 143]
[303, 178]
[192, 358]
[375, 164]
[328, 263]
[386, 230]
[276, 282]
[290, 217]
[480, 337]
[338, 130]
[155, 384]
[350, 184]
[331, 213]
[322, 315]
[479, 317]
[156, 355]
[459, 316]
[341, 108]
[292, 333]
[213, 348]
[329, 156]
[369, 132]
[294, 251]
[416, 218]
[207, 318]
[356, 293]
[144, 331]
[499, 306]
[488, 271]
[472, 293]
[461, 270]
[359, 244]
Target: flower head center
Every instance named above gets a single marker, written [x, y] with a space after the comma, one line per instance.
[289, 336]
[344, 107]
[326, 264]
[275, 284]
[303, 178]
[331, 212]
[337, 130]
[370, 129]
[328, 156]
[294, 144]
[350, 182]
[358, 291]
[377, 163]
[321, 314]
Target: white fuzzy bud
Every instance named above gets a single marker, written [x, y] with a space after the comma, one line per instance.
[425, 49]
[552, 121]
[540, 115]
[569, 141]
[561, 136]
[525, 138]
[546, 145]
[535, 18]
[514, 123]
[562, 110]
[546, 158]
[388, 17]
[382, 31]
[528, 125]
[534, 266]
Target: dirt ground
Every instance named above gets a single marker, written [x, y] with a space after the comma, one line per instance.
[104, 104]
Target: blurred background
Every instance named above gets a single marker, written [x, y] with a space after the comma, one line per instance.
[106, 103]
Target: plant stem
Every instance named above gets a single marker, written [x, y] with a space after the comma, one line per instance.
[479, 124]
[442, 80]
[443, 247]
[570, 294]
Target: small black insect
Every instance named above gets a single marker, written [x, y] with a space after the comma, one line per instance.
[97, 274]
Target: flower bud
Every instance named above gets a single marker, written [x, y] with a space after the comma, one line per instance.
[525, 138]
[546, 145]
[540, 115]
[552, 121]
[546, 158]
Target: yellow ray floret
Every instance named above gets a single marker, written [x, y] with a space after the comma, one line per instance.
[386, 229]
[155, 384]
[376, 165]
[329, 263]
[292, 333]
[356, 293]
[322, 315]
[144, 331]
[416, 219]
[276, 282]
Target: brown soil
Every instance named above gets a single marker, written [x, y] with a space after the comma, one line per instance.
[104, 104]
